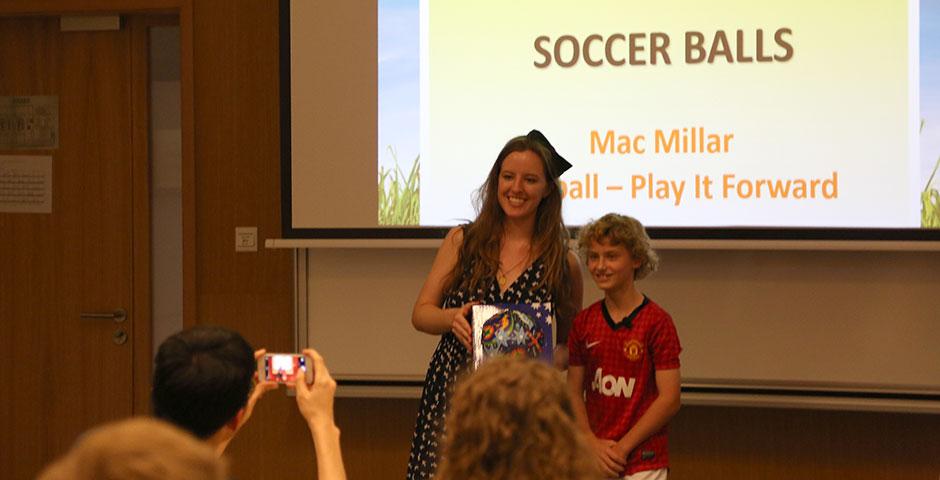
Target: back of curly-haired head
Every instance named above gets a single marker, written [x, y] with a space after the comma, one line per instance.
[513, 419]
[621, 230]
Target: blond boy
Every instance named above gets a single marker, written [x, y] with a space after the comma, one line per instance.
[624, 355]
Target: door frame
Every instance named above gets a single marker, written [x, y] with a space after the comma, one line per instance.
[142, 334]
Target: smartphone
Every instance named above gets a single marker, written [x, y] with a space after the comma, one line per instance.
[284, 367]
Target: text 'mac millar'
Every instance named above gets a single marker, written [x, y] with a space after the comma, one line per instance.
[696, 141]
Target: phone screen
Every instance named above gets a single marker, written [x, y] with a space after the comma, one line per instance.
[283, 368]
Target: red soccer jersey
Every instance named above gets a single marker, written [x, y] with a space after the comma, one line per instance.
[620, 362]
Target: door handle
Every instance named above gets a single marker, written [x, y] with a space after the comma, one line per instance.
[117, 316]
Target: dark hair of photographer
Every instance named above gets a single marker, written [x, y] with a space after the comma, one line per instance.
[202, 378]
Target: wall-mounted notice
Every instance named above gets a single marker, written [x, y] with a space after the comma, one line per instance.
[25, 184]
[29, 122]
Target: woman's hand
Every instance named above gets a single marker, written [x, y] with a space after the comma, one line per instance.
[460, 326]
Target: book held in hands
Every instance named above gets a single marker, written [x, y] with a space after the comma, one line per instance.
[524, 329]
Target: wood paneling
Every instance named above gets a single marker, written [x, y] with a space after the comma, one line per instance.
[770, 444]
[376, 436]
[84, 7]
[236, 183]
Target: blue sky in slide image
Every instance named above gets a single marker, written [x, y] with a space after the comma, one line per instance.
[398, 82]
[929, 88]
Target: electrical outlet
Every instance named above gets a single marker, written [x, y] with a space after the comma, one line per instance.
[246, 239]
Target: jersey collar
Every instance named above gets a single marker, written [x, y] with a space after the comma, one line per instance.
[627, 321]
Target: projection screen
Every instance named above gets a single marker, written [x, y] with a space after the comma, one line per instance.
[721, 119]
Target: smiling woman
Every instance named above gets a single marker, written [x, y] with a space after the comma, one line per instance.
[515, 252]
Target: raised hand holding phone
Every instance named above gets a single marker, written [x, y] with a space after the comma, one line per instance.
[315, 399]
[315, 402]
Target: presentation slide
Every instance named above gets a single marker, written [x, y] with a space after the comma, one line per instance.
[729, 113]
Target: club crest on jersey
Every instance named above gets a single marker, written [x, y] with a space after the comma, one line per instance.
[633, 349]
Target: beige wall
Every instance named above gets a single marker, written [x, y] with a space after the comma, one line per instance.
[806, 319]
[237, 183]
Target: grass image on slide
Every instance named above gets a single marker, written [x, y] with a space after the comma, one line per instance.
[399, 199]
[930, 199]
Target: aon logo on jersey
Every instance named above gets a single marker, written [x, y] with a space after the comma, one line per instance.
[611, 386]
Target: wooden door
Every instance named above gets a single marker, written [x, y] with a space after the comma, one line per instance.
[63, 373]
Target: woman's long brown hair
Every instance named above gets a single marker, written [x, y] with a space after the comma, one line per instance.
[478, 260]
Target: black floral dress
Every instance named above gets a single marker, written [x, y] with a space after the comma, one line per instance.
[449, 359]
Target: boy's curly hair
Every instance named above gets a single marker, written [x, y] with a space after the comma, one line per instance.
[513, 419]
[621, 230]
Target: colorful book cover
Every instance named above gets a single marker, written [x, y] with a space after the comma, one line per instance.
[526, 329]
